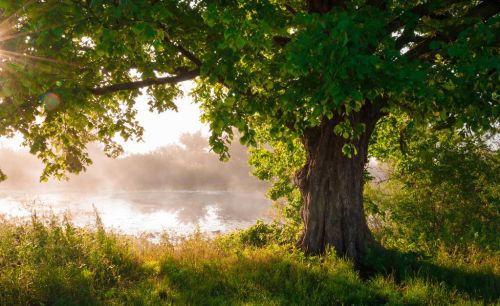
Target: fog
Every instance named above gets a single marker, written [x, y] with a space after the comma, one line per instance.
[186, 166]
[177, 188]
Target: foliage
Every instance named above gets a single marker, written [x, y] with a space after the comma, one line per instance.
[71, 69]
[51, 262]
[444, 191]
[261, 234]
[277, 162]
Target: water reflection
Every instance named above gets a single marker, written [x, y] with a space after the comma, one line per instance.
[177, 212]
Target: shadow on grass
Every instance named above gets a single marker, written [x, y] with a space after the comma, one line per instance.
[396, 279]
[479, 285]
[271, 282]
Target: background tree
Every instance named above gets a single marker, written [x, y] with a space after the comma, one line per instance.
[443, 190]
[320, 71]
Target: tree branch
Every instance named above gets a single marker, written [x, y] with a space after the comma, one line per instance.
[185, 52]
[420, 10]
[188, 75]
[290, 9]
[483, 11]
[281, 41]
[188, 54]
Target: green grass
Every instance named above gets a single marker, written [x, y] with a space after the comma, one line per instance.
[51, 262]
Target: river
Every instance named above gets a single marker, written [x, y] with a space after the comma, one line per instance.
[143, 212]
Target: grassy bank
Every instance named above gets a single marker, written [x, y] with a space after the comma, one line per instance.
[51, 262]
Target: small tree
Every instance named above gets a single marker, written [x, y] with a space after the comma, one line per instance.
[322, 71]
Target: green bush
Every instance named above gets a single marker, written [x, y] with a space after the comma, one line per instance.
[261, 234]
[444, 192]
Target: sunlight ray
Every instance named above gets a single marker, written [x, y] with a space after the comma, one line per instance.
[7, 23]
[8, 28]
[17, 35]
[32, 57]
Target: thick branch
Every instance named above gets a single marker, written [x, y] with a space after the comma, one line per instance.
[420, 10]
[483, 11]
[188, 75]
[281, 41]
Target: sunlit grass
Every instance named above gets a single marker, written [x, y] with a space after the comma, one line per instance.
[51, 262]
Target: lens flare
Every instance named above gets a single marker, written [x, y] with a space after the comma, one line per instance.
[51, 101]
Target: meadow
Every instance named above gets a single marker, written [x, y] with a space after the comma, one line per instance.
[48, 261]
[314, 89]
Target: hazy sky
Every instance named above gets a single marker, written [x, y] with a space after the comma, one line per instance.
[165, 128]
[159, 129]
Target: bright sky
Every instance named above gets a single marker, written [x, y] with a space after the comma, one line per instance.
[159, 129]
[165, 128]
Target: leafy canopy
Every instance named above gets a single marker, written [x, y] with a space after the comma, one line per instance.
[70, 70]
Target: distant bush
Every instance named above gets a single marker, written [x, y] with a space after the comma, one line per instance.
[258, 234]
[261, 234]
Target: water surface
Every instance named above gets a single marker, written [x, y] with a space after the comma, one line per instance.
[138, 212]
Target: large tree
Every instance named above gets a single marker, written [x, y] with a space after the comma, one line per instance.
[322, 71]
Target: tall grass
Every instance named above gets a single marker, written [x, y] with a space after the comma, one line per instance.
[51, 262]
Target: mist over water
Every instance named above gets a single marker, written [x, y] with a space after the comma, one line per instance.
[177, 188]
[186, 166]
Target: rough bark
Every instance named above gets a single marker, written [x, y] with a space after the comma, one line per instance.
[331, 185]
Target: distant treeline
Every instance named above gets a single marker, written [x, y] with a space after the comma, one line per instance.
[189, 165]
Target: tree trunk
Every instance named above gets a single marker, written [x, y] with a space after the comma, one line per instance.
[331, 185]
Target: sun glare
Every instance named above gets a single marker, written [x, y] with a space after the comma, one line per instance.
[11, 27]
